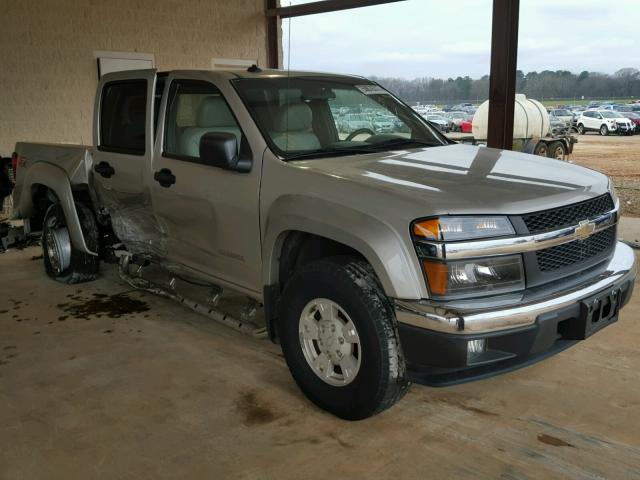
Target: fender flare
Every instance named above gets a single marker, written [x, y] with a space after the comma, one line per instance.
[56, 179]
[378, 242]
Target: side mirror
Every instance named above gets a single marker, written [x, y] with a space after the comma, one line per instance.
[220, 149]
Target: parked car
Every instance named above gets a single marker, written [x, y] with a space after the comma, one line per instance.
[383, 124]
[441, 122]
[603, 121]
[557, 126]
[562, 114]
[635, 118]
[466, 126]
[455, 117]
[396, 258]
[355, 121]
[625, 126]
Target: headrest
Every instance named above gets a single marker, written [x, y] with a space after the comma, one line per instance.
[214, 112]
[295, 117]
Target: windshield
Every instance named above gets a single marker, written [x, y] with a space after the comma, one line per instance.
[609, 114]
[307, 117]
[562, 113]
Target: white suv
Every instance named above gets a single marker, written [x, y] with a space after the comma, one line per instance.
[603, 121]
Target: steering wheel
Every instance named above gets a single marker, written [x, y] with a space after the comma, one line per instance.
[359, 131]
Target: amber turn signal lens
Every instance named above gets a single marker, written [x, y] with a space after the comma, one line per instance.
[427, 229]
[438, 277]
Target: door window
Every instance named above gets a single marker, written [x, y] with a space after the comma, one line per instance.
[194, 109]
[123, 111]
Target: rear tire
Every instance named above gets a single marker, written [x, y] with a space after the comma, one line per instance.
[354, 299]
[63, 262]
[557, 151]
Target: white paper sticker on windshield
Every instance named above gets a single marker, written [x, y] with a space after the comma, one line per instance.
[372, 90]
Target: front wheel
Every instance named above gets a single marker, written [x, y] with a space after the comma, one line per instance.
[339, 338]
[604, 130]
[581, 130]
[62, 261]
[541, 149]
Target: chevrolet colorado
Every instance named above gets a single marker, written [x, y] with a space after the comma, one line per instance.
[380, 259]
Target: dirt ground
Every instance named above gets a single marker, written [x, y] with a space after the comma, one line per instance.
[99, 381]
[618, 157]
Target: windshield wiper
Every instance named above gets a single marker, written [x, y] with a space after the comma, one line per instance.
[399, 142]
[361, 149]
[329, 152]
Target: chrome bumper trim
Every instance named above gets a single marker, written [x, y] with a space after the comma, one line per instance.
[528, 243]
[435, 316]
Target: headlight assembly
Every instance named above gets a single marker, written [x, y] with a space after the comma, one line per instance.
[466, 278]
[462, 228]
[472, 278]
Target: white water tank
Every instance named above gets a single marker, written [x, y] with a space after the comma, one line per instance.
[530, 119]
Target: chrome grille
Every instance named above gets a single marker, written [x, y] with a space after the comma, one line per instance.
[566, 216]
[577, 251]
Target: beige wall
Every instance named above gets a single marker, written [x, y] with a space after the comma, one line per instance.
[48, 73]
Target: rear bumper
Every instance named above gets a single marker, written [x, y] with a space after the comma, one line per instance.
[435, 337]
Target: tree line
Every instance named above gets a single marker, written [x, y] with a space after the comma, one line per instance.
[561, 84]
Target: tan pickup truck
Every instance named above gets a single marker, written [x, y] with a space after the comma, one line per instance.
[379, 256]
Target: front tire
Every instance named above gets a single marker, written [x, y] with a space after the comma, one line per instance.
[339, 338]
[581, 130]
[541, 149]
[604, 130]
[62, 261]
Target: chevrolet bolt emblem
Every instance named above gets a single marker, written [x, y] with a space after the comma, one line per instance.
[585, 228]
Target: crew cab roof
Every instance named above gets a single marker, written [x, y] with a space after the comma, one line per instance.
[262, 73]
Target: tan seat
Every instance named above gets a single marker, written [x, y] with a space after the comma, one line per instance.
[294, 128]
[213, 116]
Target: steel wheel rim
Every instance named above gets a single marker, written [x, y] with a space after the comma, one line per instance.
[58, 246]
[559, 153]
[330, 342]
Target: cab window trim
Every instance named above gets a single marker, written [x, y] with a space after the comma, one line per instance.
[244, 148]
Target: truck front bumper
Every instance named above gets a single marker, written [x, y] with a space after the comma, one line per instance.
[446, 344]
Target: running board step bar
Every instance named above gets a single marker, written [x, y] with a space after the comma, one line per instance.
[202, 298]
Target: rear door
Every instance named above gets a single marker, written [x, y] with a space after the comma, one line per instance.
[123, 137]
[210, 215]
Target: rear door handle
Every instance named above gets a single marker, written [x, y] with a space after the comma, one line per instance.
[164, 177]
[104, 169]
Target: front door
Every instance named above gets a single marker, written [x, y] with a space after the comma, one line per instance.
[123, 135]
[210, 215]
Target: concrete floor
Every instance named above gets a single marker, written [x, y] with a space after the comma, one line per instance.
[87, 391]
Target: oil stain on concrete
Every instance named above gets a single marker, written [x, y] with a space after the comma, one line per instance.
[99, 304]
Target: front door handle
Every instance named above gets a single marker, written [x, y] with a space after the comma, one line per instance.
[104, 169]
[164, 177]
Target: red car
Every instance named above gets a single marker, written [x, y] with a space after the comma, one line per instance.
[635, 118]
[466, 126]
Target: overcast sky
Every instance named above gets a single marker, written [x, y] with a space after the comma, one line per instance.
[450, 38]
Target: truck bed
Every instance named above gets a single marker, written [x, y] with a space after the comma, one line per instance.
[75, 160]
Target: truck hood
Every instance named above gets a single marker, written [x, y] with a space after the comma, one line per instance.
[459, 179]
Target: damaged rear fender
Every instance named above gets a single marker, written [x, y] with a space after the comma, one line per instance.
[56, 180]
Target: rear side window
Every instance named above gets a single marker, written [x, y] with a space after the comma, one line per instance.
[123, 111]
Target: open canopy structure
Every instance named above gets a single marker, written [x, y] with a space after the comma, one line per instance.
[504, 54]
